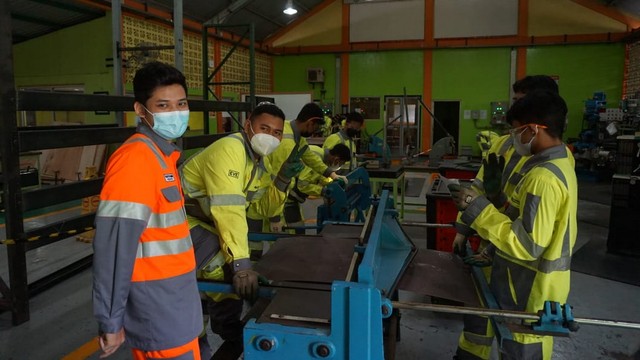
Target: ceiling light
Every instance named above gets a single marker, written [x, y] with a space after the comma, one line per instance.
[289, 10]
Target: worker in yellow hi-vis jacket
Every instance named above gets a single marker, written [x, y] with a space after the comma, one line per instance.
[535, 235]
[294, 142]
[219, 183]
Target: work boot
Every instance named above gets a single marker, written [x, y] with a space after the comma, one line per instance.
[229, 350]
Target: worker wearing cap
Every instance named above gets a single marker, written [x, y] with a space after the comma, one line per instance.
[535, 235]
[350, 130]
[219, 183]
[310, 183]
[497, 178]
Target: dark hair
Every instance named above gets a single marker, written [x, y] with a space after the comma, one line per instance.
[153, 75]
[540, 107]
[267, 108]
[341, 151]
[354, 116]
[310, 110]
[535, 82]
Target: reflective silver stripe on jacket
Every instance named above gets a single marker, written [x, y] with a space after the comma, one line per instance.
[546, 266]
[227, 199]
[505, 146]
[556, 171]
[153, 148]
[124, 209]
[525, 239]
[554, 153]
[529, 211]
[508, 169]
[166, 220]
[137, 211]
[165, 247]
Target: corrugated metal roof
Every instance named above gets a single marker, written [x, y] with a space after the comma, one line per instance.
[33, 18]
[266, 15]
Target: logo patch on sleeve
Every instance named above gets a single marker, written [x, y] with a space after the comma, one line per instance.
[234, 174]
[169, 177]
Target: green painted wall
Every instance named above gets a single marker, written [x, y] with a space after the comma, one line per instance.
[475, 77]
[291, 75]
[385, 73]
[71, 56]
[582, 70]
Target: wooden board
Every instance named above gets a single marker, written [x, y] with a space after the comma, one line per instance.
[70, 163]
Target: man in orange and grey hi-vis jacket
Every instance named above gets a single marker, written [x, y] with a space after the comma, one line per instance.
[144, 283]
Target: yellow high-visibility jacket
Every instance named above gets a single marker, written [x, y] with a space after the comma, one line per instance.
[535, 235]
[225, 178]
[503, 146]
[310, 182]
[341, 138]
[291, 140]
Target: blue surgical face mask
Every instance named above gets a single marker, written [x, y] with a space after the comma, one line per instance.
[171, 124]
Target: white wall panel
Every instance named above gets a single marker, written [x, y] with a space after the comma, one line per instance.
[475, 18]
[384, 21]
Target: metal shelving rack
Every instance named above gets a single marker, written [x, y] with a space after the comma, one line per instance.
[207, 79]
[14, 140]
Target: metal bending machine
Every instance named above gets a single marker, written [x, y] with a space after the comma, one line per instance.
[340, 200]
[331, 296]
[309, 317]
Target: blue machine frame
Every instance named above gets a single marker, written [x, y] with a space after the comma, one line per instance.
[357, 308]
[341, 202]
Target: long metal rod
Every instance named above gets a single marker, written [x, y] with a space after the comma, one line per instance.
[505, 314]
[464, 310]
[426, 225]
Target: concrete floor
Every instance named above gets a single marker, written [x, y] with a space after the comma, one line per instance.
[62, 325]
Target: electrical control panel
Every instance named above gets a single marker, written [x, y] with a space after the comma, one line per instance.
[499, 112]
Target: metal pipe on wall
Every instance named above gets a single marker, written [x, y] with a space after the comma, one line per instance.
[116, 37]
[178, 39]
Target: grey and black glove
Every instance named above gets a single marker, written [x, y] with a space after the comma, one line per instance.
[482, 259]
[462, 196]
[245, 284]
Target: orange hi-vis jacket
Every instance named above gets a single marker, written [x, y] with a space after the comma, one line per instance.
[143, 265]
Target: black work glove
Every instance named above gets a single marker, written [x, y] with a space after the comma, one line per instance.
[245, 284]
[460, 245]
[493, 166]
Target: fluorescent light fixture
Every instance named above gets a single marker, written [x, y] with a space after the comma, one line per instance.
[289, 10]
